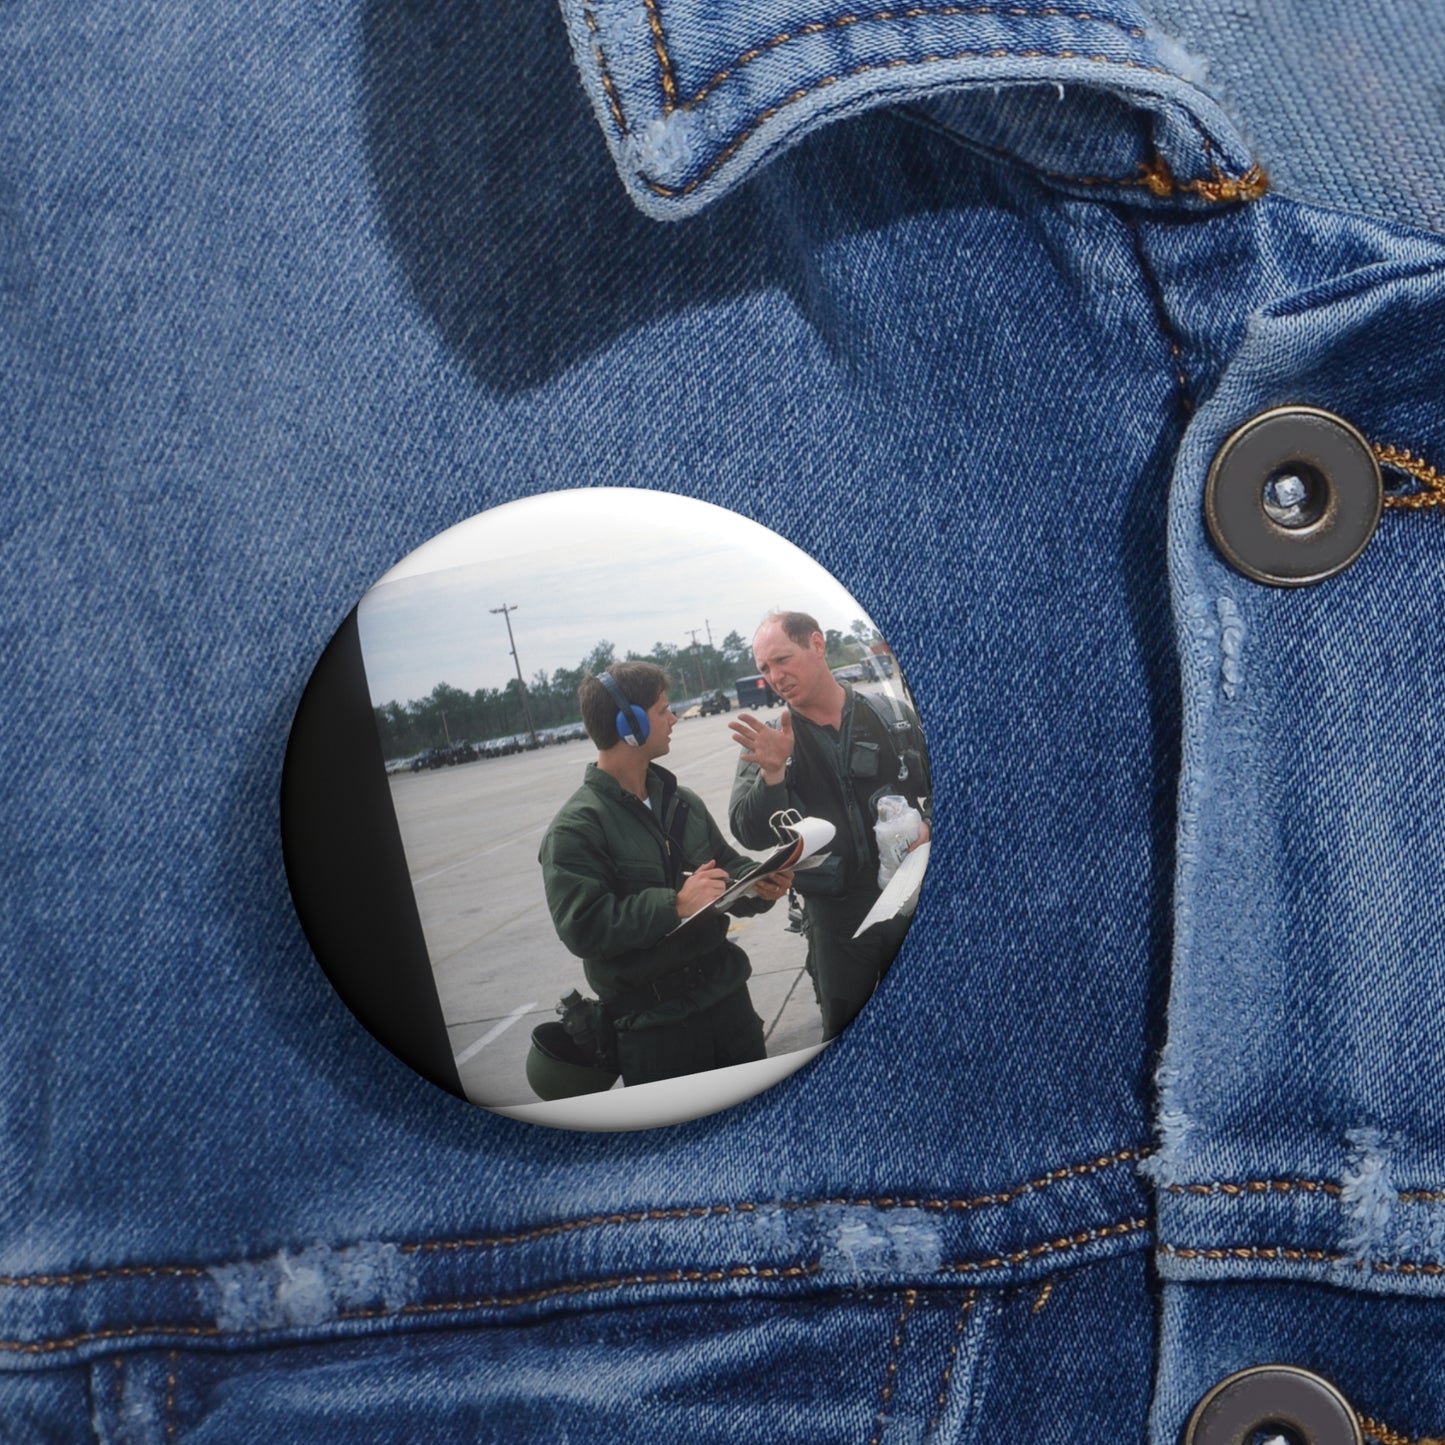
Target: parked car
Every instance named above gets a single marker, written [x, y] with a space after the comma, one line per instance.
[716, 701]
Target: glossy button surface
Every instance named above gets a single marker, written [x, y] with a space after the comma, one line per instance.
[1309, 1410]
[548, 896]
[1293, 496]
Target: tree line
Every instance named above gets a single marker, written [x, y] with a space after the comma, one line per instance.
[449, 715]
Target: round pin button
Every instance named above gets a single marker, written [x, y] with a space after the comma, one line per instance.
[1293, 496]
[547, 832]
[1283, 1399]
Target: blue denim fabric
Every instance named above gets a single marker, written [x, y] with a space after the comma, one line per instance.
[285, 295]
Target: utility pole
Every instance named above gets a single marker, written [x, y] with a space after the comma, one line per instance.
[716, 665]
[692, 632]
[506, 609]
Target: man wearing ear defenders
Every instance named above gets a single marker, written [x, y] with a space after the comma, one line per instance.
[833, 755]
[631, 855]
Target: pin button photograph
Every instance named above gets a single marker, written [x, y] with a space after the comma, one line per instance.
[1293, 496]
[633, 815]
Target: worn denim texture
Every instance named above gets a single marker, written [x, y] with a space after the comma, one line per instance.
[285, 294]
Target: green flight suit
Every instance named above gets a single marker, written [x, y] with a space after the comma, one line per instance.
[836, 774]
[678, 1001]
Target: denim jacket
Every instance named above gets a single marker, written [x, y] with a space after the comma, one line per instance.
[961, 299]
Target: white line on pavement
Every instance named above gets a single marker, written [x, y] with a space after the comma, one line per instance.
[498, 1028]
[480, 853]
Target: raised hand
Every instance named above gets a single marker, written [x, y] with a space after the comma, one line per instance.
[769, 748]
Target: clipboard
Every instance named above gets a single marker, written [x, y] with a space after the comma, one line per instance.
[803, 840]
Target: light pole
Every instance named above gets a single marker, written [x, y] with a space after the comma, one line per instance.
[696, 655]
[506, 609]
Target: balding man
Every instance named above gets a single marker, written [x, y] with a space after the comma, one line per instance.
[833, 754]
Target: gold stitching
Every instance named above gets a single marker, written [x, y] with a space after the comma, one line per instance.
[913, 12]
[170, 1406]
[130, 1332]
[1387, 1436]
[664, 60]
[1432, 496]
[1218, 189]
[1237, 1189]
[952, 1360]
[129, 1271]
[673, 1276]
[1382, 1433]
[1044, 1295]
[1152, 175]
[1253, 1251]
[1156, 175]
[1258, 1186]
[612, 99]
[998, 1198]
[910, 1298]
[1053, 1246]
[1296, 1255]
[764, 116]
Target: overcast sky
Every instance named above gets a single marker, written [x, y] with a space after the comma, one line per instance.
[633, 567]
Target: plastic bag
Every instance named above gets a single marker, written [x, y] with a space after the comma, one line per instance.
[897, 829]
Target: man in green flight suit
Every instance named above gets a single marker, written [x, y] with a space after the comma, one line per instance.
[629, 856]
[834, 753]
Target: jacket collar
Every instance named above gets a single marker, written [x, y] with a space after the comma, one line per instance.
[661, 785]
[695, 95]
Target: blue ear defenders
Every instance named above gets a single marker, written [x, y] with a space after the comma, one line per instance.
[632, 724]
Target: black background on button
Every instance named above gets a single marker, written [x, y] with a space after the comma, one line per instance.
[347, 867]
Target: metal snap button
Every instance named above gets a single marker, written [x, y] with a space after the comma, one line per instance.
[1299, 1405]
[1293, 496]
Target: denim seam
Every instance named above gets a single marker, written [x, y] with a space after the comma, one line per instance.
[890, 1375]
[1433, 495]
[580, 1287]
[170, 1400]
[951, 1360]
[996, 1199]
[120, 1332]
[1155, 177]
[1161, 313]
[1044, 1295]
[1220, 188]
[1214, 1254]
[1235, 1190]
[913, 12]
[613, 101]
[664, 60]
[667, 76]
[1053, 1246]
